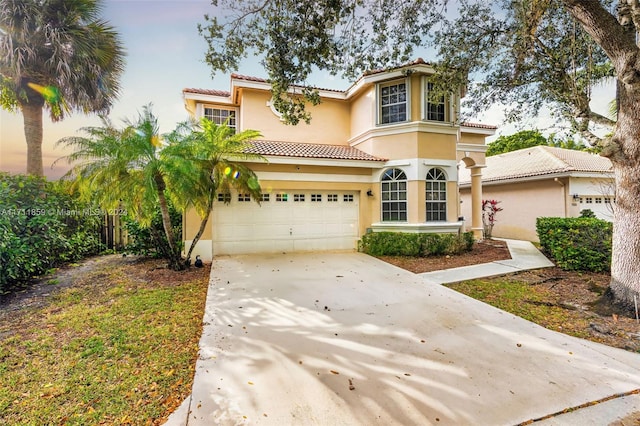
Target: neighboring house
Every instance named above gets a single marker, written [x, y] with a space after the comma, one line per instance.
[378, 156]
[542, 182]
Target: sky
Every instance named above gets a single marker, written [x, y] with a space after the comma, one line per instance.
[165, 54]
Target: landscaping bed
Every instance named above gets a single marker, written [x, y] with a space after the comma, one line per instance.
[482, 252]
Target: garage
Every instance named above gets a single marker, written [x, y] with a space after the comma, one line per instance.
[600, 205]
[286, 221]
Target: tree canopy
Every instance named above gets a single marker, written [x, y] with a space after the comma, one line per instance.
[530, 138]
[523, 54]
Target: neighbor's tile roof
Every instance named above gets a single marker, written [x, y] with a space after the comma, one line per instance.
[212, 92]
[538, 161]
[309, 150]
[479, 125]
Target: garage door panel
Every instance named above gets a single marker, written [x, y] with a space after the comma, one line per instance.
[272, 226]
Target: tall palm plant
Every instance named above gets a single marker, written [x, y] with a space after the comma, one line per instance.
[56, 54]
[207, 159]
[124, 167]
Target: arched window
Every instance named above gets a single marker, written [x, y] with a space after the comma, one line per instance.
[394, 195]
[436, 195]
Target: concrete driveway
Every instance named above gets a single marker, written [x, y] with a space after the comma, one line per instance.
[345, 339]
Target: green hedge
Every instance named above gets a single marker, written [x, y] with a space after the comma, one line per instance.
[151, 240]
[578, 243]
[41, 226]
[414, 244]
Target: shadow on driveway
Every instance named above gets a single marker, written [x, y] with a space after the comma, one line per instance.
[345, 339]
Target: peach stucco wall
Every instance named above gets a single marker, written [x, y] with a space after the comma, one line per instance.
[363, 111]
[329, 120]
[522, 204]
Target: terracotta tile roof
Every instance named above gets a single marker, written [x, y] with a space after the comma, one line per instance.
[212, 92]
[538, 161]
[479, 125]
[418, 61]
[309, 150]
[263, 80]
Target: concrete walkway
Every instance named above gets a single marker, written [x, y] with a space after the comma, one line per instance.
[345, 339]
[524, 256]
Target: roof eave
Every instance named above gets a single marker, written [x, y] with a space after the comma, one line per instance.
[314, 161]
[538, 177]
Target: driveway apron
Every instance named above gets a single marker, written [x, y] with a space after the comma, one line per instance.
[346, 339]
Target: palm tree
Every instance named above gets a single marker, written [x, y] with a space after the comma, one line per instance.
[207, 159]
[56, 54]
[124, 167]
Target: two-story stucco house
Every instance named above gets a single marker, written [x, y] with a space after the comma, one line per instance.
[378, 156]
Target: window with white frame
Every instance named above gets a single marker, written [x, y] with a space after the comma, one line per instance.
[264, 197]
[221, 116]
[436, 195]
[393, 102]
[297, 198]
[394, 196]
[332, 198]
[244, 197]
[347, 198]
[316, 198]
[436, 107]
[224, 197]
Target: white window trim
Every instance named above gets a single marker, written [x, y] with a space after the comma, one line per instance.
[220, 107]
[378, 101]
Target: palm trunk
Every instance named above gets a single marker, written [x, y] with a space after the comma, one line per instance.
[175, 262]
[32, 115]
[203, 225]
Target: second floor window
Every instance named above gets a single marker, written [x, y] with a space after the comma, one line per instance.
[436, 107]
[393, 103]
[221, 115]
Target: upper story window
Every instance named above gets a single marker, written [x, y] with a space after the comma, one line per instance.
[393, 102]
[394, 196]
[221, 116]
[436, 195]
[436, 107]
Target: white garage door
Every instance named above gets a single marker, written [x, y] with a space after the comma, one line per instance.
[286, 221]
[599, 204]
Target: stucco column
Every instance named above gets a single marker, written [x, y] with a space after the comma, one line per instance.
[476, 202]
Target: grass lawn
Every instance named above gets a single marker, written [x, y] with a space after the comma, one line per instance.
[526, 301]
[116, 347]
[573, 303]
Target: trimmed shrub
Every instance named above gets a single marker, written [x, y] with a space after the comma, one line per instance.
[578, 243]
[414, 244]
[41, 227]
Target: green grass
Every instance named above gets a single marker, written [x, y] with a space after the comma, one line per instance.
[533, 303]
[112, 351]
